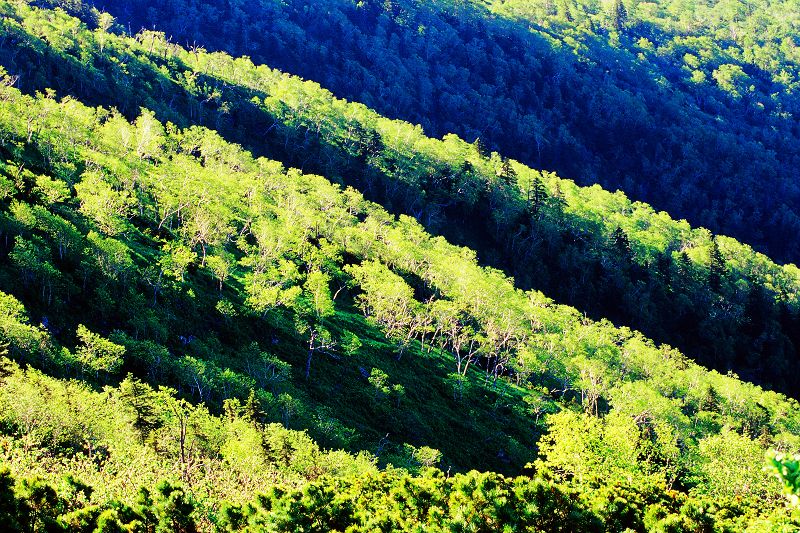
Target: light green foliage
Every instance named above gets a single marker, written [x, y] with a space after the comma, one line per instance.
[661, 425]
[731, 79]
[52, 191]
[319, 294]
[226, 309]
[220, 266]
[787, 469]
[243, 451]
[100, 202]
[474, 314]
[427, 456]
[580, 447]
[255, 269]
[26, 342]
[175, 260]
[350, 343]
[732, 465]
[383, 389]
[274, 287]
[98, 354]
[111, 257]
[379, 381]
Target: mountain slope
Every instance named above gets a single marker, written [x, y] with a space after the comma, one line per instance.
[688, 106]
[270, 295]
[100, 244]
[599, 252]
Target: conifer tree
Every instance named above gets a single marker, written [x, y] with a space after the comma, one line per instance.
[622, 245]
[619, 15]
[537, 194]
[480, 147]
[142, 399]
[507, 172]
[716, 268]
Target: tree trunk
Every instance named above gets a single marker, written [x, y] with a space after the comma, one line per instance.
[310, 352]
[308, 362]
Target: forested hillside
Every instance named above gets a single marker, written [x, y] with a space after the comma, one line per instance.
[690, 106]
[582, 246]
[209, 322]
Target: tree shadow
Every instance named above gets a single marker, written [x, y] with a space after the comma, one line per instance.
[119, 77]
[605, 117]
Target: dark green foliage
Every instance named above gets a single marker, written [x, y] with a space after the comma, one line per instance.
[389, 501]
[564, 249]
[716, 269]
[508, 174]
[172, 510]
[33, 505]
[686, 105]
[619, 15]
[537, 196]
[787, 469]
[395, 501]
[245, 300]
[11, 511]
[143, 401]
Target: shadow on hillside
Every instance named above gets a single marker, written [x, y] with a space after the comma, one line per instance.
[607, 118]
[341, 387]
[143, 84]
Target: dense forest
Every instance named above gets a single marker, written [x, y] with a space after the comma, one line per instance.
[231, 301]
[600, 253]
[686, 105]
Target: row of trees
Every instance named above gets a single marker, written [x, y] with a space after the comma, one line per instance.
[685, 105]
[610, 257]
[301, 251]
[72, 470]
[218, 323]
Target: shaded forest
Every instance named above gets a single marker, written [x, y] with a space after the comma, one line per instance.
[688, 106]
[720, 302]
[256, 299]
